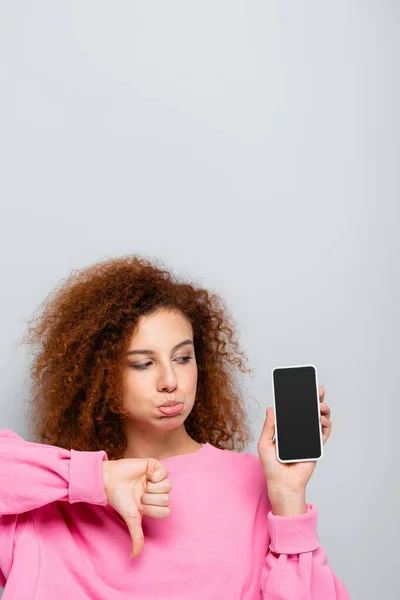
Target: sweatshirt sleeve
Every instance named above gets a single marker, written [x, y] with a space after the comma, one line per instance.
[296, 566]
[32, 475]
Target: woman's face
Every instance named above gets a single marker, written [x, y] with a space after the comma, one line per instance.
[160, 366]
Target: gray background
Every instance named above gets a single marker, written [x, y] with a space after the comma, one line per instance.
[254, 146]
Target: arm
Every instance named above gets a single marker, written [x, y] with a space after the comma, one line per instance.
[33, 475]
[296, 566]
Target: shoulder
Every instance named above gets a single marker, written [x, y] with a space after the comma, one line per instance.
[248, 460]
[9, 433]
[246, 465]
[240, 458]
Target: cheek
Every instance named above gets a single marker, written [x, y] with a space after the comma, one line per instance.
[189, 381]
[136, 384]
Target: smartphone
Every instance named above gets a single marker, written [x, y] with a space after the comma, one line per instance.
[298, 430]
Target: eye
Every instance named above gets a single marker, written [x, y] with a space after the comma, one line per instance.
[185, 359]
[144, 366]
[181, 359]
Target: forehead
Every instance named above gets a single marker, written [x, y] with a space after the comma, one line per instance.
[162, 327]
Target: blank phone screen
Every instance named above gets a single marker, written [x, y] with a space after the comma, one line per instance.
[297, 413]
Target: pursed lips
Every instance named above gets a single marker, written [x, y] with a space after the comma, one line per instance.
[171, 401]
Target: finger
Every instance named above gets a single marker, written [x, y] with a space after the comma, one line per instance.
[321, 393]
[161, 487]
[160, 473]
[325, 435]
[326, 428]
[268, 432]
[325, 409]
[155, 499]
[156, 512]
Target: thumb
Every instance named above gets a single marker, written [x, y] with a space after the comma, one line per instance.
[268, 432]
[134, 523]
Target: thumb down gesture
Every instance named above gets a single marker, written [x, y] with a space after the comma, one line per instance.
[135, 487]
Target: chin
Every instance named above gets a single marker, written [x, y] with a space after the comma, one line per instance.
[171, 423]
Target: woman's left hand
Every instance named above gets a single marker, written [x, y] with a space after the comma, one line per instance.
[288, 477]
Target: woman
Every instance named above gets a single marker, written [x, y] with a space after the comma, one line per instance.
[137, 416]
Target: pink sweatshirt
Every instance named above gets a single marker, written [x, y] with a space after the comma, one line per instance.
[61, 540]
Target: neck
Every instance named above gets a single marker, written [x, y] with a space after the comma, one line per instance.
[158, 445]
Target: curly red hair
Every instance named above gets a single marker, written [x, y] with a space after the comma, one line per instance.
[80, 334]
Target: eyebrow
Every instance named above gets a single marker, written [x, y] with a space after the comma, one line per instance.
[152, 351]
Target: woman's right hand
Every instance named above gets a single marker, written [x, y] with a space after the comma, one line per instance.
[137, 487]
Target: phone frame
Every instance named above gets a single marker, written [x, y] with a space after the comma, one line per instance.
[318, 409]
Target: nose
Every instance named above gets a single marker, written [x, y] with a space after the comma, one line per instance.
[168, 380]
